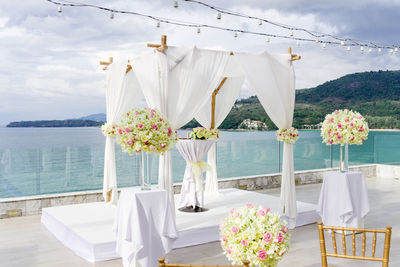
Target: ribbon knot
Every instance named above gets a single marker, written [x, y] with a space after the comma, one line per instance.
[198, 168]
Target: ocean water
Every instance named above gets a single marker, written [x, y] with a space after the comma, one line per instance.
[35, 161]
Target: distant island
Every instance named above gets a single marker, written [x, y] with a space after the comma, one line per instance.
[55, 123]
[375, 94]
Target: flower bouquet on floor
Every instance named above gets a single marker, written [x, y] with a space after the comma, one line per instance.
[145, 131]
[201, 133]
[344, 127]
[255, 234]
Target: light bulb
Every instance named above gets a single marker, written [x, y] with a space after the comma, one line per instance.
[260, 22]
[291, 34]
[323, 45]
[362, 49]
[59, 9]
[268, 40]
[219, 15]
[158, 24]
[348, 49]
[198, 30]
[176, 4]
[391, 51]
[316, 41]
[380, 50]
[342, 43]
[235, 35]
[370, 50]
[298, 43]
[111, 15]
[396, 49]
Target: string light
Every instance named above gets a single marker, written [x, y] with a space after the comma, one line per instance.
[111, 15]
[370, 50]
[176, 4]
[344, 42]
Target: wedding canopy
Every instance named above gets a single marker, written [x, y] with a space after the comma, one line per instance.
[182, 82]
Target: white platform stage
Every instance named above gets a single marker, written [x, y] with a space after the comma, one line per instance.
[87, 228]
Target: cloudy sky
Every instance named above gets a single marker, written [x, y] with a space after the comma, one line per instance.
[50, 61]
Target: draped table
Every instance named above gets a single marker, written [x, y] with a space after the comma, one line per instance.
[193, 151]
[145, 226]
[343, 200]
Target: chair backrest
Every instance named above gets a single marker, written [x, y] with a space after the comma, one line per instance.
[343, 231]
[161, 263]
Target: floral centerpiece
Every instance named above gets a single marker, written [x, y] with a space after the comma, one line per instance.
[109, 129]
[204, 133]
[344, 127]
[145, 130]
[287, 135]
[255, 234]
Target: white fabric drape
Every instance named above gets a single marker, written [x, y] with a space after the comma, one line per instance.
[193, 151]
[178, 83]
[122, 93]
[273, 80]
[224, 100]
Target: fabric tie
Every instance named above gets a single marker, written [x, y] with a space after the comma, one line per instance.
[197, 169]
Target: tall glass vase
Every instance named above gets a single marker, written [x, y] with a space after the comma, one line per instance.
[344, 158]
[144, 170]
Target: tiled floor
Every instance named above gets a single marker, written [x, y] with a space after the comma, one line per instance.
[25, 242]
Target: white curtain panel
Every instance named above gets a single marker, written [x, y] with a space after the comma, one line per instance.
[178, 83]
[224, 100]
[122, 93]
[273, 80]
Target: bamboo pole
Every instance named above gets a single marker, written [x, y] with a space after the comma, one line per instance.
[160, 47]
[213, 101]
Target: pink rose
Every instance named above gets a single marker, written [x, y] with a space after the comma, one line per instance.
[129, 143]
[169, 131]
[136, 112]
[339, 126]
[155, 127]
[249, 206]
[236, 214]
[346, 120]
[146, 143]
[120, 131]
[351, 124]
[329, 132]
[228, 250]
[234, 229]
[336, 111]
[232, 211]
[127, 130]
[360, 117]
[284, 229]
[163, 146]
[267, 237]
[339, 137]
[330, 142]
[280, 237]
[160, 119]
[352, 139]
[224, 238]
[140, 126]
[361, 129]
[244, 243]
[260, 213]
[332, 120]
[262, 254]
[266, 209]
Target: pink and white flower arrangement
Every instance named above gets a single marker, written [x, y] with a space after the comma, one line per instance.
[288, 135]
[145, 130]
[109, 129]
[256, 234]
[204, 133]
[344, 127]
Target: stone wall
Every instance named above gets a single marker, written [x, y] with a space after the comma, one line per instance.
[22, 206]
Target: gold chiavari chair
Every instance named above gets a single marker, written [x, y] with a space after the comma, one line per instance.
[161, 263]
[384, 259]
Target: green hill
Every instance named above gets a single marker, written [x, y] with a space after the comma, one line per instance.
[375, 94]
[55, 123]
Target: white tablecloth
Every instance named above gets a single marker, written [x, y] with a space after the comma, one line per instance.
[145, 226]
[193, 151]
[343, 200]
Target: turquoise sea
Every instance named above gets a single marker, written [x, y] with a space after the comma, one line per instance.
[36, 161]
